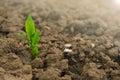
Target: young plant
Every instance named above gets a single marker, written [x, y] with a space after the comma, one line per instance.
[32, 36]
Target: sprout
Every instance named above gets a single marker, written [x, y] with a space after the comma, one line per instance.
[32, 36]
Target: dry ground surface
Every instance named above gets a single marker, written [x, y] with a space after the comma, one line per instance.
[90, 27]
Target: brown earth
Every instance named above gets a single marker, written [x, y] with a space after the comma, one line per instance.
[94, 51]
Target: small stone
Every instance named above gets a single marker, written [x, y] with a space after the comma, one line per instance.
[68, 45]
[93, 45]
[68, 50]
[15, 56]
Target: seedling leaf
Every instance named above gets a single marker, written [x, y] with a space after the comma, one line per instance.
[35, 38]
[30, 26]
[22, 35]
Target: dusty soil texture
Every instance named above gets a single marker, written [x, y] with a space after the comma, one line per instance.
[79, 40]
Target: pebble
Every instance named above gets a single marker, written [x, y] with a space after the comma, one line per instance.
[67, 50]
[68, 45]
[93, 45]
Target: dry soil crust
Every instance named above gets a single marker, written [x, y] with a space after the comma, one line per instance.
[91, 58]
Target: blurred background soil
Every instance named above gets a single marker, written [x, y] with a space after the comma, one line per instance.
[91, 28]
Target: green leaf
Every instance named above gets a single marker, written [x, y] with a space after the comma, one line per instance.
[22, 35]
[35, 51]
[35, 38]
[30, 27]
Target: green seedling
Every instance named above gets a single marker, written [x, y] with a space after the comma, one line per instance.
[32, 36]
